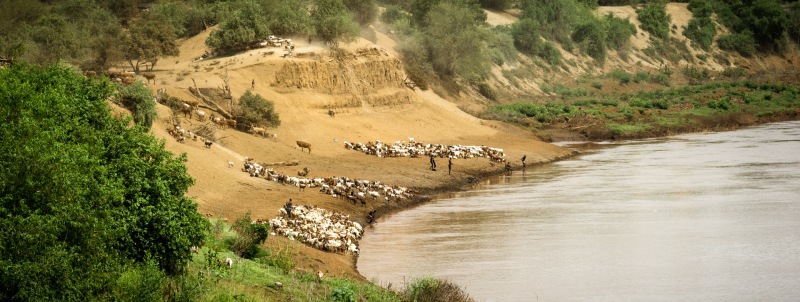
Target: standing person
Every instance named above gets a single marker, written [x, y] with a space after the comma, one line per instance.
[523, 160]
[289, 207]
[253, 85]
[433, 163]
[449, 165]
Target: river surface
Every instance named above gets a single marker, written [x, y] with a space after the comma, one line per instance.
[698, 217]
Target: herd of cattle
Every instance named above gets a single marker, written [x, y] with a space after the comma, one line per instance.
[417, 149]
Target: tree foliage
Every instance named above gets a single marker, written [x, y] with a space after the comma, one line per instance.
[83, 197]
[147, 41]
[333, 22]
[364, 11]
[257, 111]
[290, 17]
[139, 100]
[455, 41]
[241, 29]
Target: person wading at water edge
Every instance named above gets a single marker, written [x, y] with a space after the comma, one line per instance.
[523, 160]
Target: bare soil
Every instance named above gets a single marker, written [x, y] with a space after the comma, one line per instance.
[364, 86]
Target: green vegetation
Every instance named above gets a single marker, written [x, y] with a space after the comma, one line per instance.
[647, 114]
[701, 29]
[654, 19]
[89, 207]
[256, 111]
[237, 32]
[138, 99]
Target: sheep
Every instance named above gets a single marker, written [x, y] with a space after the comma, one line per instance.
[304, 145]
[201, 115]
[229, 262]
[230, 164]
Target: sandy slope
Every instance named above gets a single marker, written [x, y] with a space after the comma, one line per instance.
[226, 192]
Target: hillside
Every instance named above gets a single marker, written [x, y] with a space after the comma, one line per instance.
[365, 88]
[371, 103]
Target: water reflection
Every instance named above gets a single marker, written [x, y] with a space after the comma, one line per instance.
[694, 217]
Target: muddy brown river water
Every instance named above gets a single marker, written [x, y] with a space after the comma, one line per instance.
[698, 217]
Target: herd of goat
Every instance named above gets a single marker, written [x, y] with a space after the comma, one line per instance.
[417, 149]
[322, 229]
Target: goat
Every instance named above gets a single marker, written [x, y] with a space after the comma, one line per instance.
[304, 172]
[229, 262]
[258, 131]
[208, 143]
[231, 123]
[230, 164]
[201, 115]
[304, 145]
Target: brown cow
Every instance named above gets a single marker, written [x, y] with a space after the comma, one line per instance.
[149, 76]
[304, 145]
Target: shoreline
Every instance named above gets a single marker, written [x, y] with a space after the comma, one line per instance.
[426, 195]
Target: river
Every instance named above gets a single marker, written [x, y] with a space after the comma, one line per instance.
[697, 217]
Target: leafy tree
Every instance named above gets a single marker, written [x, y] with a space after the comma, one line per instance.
[496, 4]
[743, 42]
[147, 41]
[554, 19]
[417, 61]
[333, 22]
[83, 197]
[242, 28]
[455, 41]
[793, 25]
[291, 17]
[257, 111]
[364, 11]
[138, 98]
[654, 19]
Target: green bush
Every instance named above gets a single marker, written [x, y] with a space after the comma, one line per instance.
[138, 99]
[641, 76]
[619, 31]
[343, 294]
[526, 36]
[622, 76]
[744, 43]
[256, 111]
[591, 36]
[655, 20]
[249, 236]
[734, 72]
[597, 85]
[701, 31]
[660, 78]
[550, 53]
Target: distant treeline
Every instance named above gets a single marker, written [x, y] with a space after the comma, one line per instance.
[441, 38]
